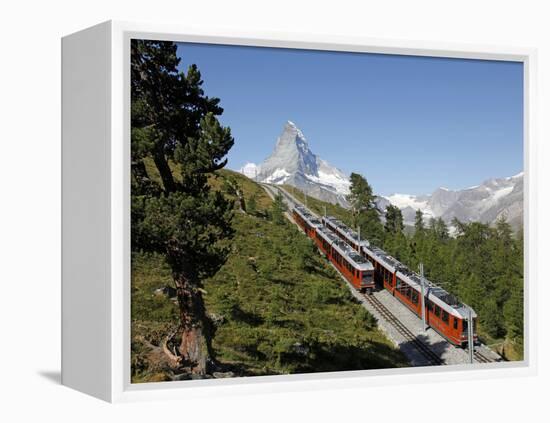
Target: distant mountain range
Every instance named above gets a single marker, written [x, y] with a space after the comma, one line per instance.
[494, 198]
[293, 163]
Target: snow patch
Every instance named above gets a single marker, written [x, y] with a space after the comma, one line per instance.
[340, 185]
[405, 200]
[279, 176]
[501, 193]
[519, 175]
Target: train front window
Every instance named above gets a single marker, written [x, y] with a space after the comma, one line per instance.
[367, 277]
[464, 326]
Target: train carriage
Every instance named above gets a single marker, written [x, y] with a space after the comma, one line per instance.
[444, 313]
[358, 271]
[308, 222]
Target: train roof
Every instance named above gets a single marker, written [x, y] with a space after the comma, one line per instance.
[349, 233]
[345, 250]
[384, 258]
[308, 216]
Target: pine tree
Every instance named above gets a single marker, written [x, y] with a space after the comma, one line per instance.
[513, 313]
[364, 213]
[441, 230]
[491, 317]
[371, 227]
[472, 291]
[360, 197]
[174, 126]
[232, 187]
[278, 208]
[394, 220]
[252, 207]
[419, 227]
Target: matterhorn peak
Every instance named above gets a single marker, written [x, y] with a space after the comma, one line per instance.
[292, 162]
[292, 134]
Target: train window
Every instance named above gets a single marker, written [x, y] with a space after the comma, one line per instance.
[455, 323]
[430, 306]
[398, 283]
[437, 311]
[368, 276]
[445, 317]
[464, 326]
[415, 297]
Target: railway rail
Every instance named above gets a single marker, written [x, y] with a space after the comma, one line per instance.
[482, 358]
[422, 348]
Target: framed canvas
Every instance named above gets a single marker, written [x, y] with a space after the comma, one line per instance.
[272, 212]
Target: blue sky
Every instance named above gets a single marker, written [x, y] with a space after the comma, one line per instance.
[408, 124]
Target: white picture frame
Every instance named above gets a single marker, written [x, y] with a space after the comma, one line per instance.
[96, 203]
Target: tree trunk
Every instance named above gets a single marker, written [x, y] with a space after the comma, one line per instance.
[164, 170]
[195, 346]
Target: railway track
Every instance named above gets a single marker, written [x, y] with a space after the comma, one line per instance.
[482, 358]
[422, 348]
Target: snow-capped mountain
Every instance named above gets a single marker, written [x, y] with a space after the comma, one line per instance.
[483, 203]
[293, 163]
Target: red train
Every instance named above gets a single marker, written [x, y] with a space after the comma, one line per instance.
[355, 268]
[444, 313]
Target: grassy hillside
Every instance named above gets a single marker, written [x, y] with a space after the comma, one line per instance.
[277, 306]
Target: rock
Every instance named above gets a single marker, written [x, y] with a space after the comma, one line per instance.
[169, 291]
